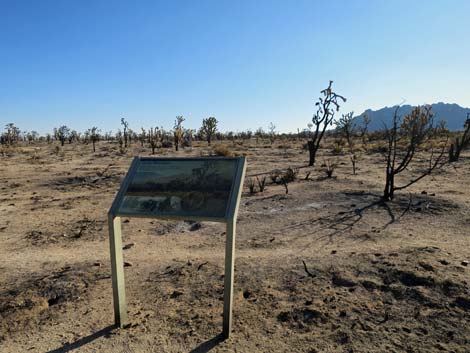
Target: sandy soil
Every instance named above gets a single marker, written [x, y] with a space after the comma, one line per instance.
[325, 268]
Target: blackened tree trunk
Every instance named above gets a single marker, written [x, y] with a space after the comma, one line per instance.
[312, 151]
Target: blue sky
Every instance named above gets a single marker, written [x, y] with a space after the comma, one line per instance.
[249, 63]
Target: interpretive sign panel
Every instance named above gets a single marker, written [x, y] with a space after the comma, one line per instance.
[179, 188]
[205, 189]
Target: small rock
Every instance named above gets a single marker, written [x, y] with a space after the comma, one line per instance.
[176, 294]
[195, 226]
[465, 263]
[444, 262]
[342, 281]
[128, 246]
[462, 302]
[128, 264]
[426, 266]
[333, 252]
[246, 294]
[97, 264]
[424, 192]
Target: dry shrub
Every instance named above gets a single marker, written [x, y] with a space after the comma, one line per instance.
[329, 167]
[379, 147]
[222, 150]
[6, 150]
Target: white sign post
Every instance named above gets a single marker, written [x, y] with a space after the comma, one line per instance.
[199, 189]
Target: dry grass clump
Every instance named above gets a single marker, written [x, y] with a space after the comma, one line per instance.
[222, 151]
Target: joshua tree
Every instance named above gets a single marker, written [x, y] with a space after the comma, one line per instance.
[460, 143]
[125, 128]
[259, 133]
[178, 131]
[153, 138]
[188, 137]
[364, 129]
[120, 139]
[416, 130]
[272, 132]
[324, 117]
[345, 127]
[62, 134]
[94, 136]
[142, 137]
[11, 134]
[32, 136]
[209, 128]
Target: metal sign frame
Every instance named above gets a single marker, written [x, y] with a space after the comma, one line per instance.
[230, 219]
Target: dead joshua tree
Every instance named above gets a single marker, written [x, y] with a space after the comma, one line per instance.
[364, 129]
[209, 128]
[345, 127]
[324, 117]
[460, 143]
[178, 131]
[125, 128]
[416, 130]
[272, 133]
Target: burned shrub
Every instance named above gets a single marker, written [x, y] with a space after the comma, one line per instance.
[261, 183]
[252, 186]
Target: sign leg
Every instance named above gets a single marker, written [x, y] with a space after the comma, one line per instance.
[117, 270]
[228, 278]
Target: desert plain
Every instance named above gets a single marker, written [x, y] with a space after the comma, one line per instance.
[327, 267]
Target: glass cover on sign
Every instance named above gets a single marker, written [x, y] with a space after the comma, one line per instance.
[180, 187]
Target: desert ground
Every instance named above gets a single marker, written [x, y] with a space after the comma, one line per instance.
[327, 267]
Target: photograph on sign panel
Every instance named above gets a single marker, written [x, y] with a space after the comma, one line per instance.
[198, 188]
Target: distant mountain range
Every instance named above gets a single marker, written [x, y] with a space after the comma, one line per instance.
[453, 114]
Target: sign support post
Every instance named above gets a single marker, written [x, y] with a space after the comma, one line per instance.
[228, 278]
[117, 270]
